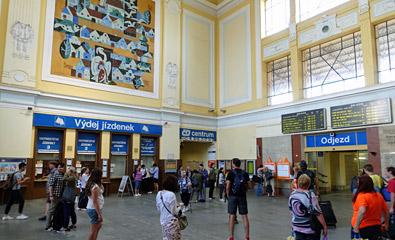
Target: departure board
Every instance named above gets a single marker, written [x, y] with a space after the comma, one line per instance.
[362, 113]
[303, 121]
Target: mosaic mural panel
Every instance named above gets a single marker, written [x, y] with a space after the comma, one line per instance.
[105, 41]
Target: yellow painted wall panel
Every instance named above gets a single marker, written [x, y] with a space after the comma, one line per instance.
[198, 55]
[105, 145]
[136, 145]
[170, 141]
[237, 142]
[70, 143]
[235, 56]
[16, 132]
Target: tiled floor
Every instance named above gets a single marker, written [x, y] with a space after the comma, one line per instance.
[137, 218]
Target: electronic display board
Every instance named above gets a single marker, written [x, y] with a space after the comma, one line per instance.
[362, 113]
[303, 121]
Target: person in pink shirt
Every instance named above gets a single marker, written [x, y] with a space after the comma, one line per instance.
[390, 173]
[138, 178]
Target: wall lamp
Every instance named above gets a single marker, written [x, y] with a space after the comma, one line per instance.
[223, 110]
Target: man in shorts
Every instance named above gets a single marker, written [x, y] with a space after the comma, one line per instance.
[237, 183]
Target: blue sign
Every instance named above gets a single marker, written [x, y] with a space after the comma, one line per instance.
[47, 120]
[86, 143]
[339, 139]
[147, 146]
[198, 135]
[48, 141]
[119, 144]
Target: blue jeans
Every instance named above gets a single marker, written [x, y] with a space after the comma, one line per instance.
[136, 184]
[198, 192]
[68, 211]
[203, 192]
[259, 190]
[221, 190]
[302, 236]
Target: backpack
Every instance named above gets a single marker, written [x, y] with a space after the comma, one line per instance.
[195, 182]
[238, 183]
[354, 183]
[9, 183]
[268, 175]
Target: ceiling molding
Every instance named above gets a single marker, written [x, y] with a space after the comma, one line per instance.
[211, 8]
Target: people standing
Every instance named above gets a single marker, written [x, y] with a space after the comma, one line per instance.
[237, 184]
[211, 181]
[70, 180]
[368, 206]
[138, 178]
[189, 172]
[268, 174]
[313, 178]
[83, 200]
[299, 204]
[377, 181]
[185, 190]
[197, 183]
[145, 179]
[52, 170]
[259, 173]
[204, 173]
[166, 203]
[222, 183]
[155, 173]
[180, 170]
[16, 195]
[390, 173]
[56, 185]
[94, 191]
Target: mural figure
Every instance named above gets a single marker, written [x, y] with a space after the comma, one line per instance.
[23, 36]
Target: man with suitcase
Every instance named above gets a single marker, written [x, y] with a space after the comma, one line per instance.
[313, 178]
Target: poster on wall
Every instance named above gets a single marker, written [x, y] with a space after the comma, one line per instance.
[48, 141]
[105, 42]
[86, 143]
[170, 166]
[119, 144]
[147, 146]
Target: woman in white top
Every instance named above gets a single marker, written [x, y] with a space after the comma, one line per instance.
[94, 190]
[222, 183]
[167, 205]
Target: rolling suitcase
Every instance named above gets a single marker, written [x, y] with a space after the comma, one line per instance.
[327, 211]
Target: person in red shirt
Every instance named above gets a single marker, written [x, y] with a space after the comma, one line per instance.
[368, 206]
[390, 173]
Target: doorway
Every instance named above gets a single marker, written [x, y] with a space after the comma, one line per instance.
[194, 153]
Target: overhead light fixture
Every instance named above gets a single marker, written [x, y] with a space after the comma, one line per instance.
[212, 110]
[223, 110]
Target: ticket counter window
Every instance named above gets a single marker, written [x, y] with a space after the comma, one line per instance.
[86, 150]
[147, 152]
[119, 155]
[49, 148]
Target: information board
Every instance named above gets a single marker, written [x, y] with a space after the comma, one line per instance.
[303, 121]
[362, 113]
[283, 169]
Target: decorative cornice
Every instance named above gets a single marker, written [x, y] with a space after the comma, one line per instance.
[212, 9]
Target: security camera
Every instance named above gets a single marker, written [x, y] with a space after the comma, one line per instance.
[166, 123]
[29, 108]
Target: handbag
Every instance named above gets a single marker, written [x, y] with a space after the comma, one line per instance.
[357, 236]
[68, 194]
[182, 219]
[315, 224]
[292, 237]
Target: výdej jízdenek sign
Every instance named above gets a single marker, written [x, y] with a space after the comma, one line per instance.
[48, 120]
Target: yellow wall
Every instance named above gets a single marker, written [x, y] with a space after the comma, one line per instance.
[237, 142]
[194, 152]
[136, 145]
[105, 145]
[169, 142]
[70, 143]
[16, 133]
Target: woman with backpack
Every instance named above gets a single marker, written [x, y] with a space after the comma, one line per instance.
[197, 183]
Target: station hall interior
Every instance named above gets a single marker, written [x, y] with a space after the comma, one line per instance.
[116, 84]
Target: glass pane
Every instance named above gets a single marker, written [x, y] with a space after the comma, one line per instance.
[385, 45]
[45, 159]
[279, 81]
[147, 161]
[333, 66]
[363, 158]
[118, 165]
[277, 14]
[310, 8]
[311, 159]
[88, 161]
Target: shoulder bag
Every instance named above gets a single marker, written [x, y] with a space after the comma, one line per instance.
[68, 194]
[315, 224]
[182, 219]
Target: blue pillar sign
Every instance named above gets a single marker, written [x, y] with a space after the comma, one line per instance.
[147, 146]
[119, 144]
[48, 141]
[198, 135]
[86, 143]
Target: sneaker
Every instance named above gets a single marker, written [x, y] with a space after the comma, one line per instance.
[44, 218]
[22, 217]
[49, 229]
[210, 198]
[222, 200]
[149, 192]
[7, 218]
[186, 209]
[139, 195]
[62, 230]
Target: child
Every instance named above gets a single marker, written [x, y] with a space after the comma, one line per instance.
[94, 190]
[295, 181]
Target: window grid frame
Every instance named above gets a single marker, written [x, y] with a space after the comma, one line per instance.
[377, 37]
[271, 72]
